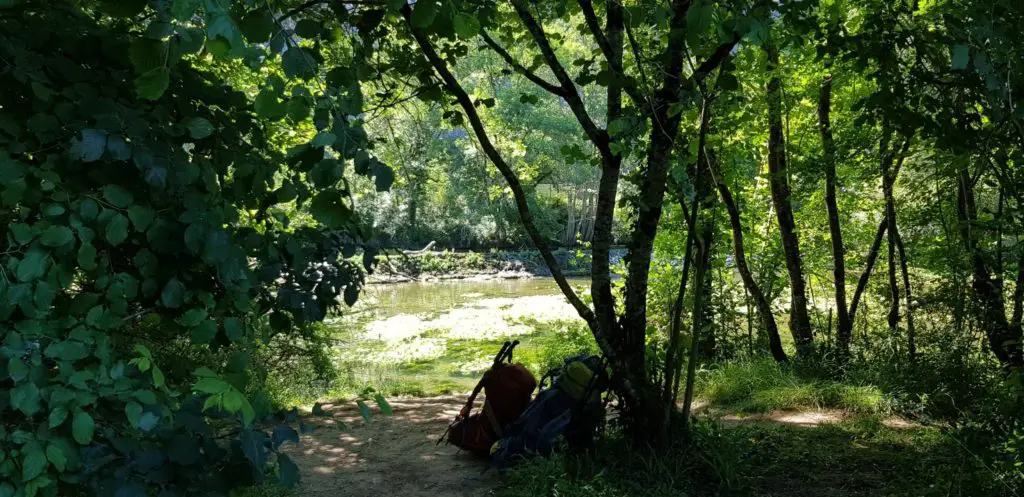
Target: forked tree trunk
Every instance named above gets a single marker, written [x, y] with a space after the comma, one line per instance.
[799, 320]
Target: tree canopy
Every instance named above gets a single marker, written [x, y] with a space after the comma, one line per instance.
[185, 183]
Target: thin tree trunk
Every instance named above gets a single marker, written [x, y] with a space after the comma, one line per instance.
[1003, 337]
[862, 282]
[844, 329]
[799, 320]
[672, 355]
[911, 332]
[750, 322]
[703, 251]
[886, 159]
[764, 310]
[1018, 292]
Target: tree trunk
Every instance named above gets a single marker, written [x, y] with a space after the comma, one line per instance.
[844, 325]
[862, 282]
[799, 320]
[1003, 337]
[673, 353]
[1018, 291]
[764, 310]
[570, 220]
[703, 255]
[911, 332]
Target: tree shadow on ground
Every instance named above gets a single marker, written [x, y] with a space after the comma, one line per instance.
[392, 456]
[860, 457]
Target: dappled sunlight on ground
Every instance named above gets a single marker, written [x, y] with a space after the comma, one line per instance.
[389, 455]
[798, 418]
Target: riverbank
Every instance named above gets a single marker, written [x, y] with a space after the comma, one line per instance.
[481, 266]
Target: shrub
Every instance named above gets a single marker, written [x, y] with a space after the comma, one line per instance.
[148, 254]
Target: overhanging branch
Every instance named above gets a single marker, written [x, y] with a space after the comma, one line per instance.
[597, 136]
[614, 63]
[453, 86]
[521, 69]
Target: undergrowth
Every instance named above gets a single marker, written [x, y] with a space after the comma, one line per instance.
[860, 457]
[762, 385]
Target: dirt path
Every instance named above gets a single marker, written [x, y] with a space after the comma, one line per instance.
[391, 456]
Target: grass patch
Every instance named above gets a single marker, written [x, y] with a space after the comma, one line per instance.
[764, 385]
[857, 458]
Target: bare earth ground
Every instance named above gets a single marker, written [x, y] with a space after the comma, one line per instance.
[392, 456]
[395, 456]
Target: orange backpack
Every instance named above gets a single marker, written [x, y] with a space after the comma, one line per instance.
[508, 389]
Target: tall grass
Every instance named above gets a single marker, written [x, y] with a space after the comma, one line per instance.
[763, 385]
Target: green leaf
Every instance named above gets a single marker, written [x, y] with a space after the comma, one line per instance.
[268, 106]
[383, 177]
[147, 54]
[140, 216]
[89, 146]
[118, 196]
[423, 13]
[383, 404]
[328, 208]
[116, 230]
[22, 233]
[87, 256]
[57, 416]
[145, 396]
[960, 57]
[192, 317]
[288, 471]
[133, 411]
[148, 421]
[34, 462]
[466, 26]
[25, 398]
[323, 139]
[182, 10]
[232, 401]
[158, 377]
[204, 332]
[258, 26]
[298, 63]
[364, 410]
[118, 148]
[698, 18]
[33, 265]
[199, 128]
[234, 329]
[16, 368]
[55, 454]
[308, 28]
[221, 26]
[728, 81]
[143, 351]
[173, 294]
[211, 385]
[153, 83]
[82, 427]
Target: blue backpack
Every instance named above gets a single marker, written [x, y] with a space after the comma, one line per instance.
[570, 409]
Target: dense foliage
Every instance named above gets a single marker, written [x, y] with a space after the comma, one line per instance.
[179, 182]
[146, 261]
